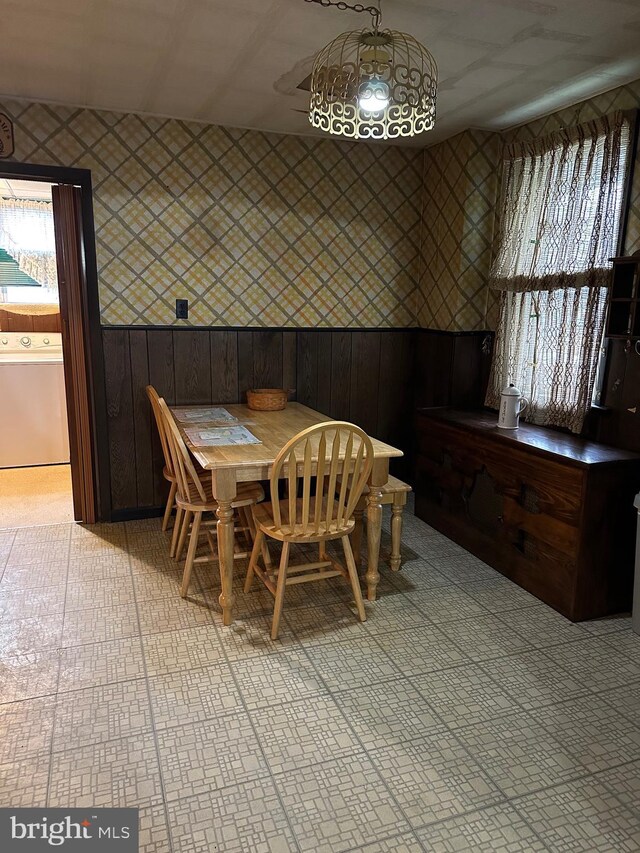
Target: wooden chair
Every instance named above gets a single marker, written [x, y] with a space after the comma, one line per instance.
[167, 472]
[342, 450]
[395, 492]
[194, 498]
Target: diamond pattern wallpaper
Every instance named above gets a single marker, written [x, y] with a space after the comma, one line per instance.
[460, 192]
[254, 229]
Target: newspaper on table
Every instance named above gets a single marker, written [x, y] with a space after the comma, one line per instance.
[203, 414]
[220, 436]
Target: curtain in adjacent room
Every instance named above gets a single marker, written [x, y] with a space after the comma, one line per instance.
[561, 209]
[26, 233]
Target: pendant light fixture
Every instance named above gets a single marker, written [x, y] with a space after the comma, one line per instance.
[372, 83]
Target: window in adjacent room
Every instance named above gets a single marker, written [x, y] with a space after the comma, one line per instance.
[560, 218]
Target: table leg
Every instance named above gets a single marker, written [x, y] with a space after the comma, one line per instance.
[224, 491]
[378, 478]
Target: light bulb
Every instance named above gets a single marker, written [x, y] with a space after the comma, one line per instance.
[373, 96]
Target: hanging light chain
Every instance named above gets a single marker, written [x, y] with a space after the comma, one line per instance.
[374, 11]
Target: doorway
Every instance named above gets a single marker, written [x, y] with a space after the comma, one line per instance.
[52, 444]
[35, 473]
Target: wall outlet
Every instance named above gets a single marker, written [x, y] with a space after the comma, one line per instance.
[182, 309]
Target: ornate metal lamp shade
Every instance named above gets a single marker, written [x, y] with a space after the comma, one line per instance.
[373, 84]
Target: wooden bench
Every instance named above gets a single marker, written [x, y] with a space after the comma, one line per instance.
[395, 493]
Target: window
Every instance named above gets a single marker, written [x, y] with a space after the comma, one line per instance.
[27, 234]
[562, 200]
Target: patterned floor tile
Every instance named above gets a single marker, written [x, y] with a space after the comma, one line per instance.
[608, 624]
[23, 782]
[626, 642]
[328, 623]
[447, 604]
[581, 816]
[30, 577]
[100, 663]
[97, 626]
[355, 663]
[393, 613]
[160, 584]
[116, 773]
[418, 575]
[23, 636]
[89, 595]
[542, 627]
[273, 679]
[498, 829]
[533, 679]
[596, 664]
[153, 830]
[433, 546]
[434, 778]
[155, 563]
[192, 696]
[249, 637]
[462, 568]
[239, 819]
[590, 729]
[624, 782]
[38, 553]
[44, 533]
[171, 614]
[338, 805]
[110, 712]
[420, 650]
[201, 757]
[106, 532]
[29, 675]
[499, 595]
[178, 651]
[391, 712]
[463, 696]
[626, 700]
[296, 734]
[85, 548]
[405, 843]
[519, 754]
[484, 637]
[26, 728]
[37, 601]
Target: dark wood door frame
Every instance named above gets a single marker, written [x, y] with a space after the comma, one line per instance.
[91, 331]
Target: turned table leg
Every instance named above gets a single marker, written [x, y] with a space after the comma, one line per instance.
[379, 476]
[224, 491]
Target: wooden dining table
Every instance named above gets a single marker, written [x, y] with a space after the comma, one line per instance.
[239, 463]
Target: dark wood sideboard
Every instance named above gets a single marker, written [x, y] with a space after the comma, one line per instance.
[551, 511]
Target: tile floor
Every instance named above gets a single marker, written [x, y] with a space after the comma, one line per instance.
[464, 715]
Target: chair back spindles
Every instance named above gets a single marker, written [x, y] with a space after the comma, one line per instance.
[340, 456]
[189, 483]
[154, 399]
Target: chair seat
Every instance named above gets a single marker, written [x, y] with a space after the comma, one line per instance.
[263, 515]
[247, 494]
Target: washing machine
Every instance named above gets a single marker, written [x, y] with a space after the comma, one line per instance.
[33, 408]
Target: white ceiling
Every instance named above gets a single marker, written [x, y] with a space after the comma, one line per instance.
[237, 62]
[33, 190]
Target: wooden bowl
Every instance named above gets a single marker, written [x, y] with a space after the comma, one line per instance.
[267, 399]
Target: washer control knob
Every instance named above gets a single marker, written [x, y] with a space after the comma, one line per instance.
[46, 341]
[25, 341]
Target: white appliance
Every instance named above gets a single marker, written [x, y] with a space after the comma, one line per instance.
[33, 408]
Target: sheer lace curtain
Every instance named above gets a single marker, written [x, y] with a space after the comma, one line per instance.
[26, 232]
[561, 208]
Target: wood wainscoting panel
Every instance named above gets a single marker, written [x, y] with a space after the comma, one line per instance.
[357, 375]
